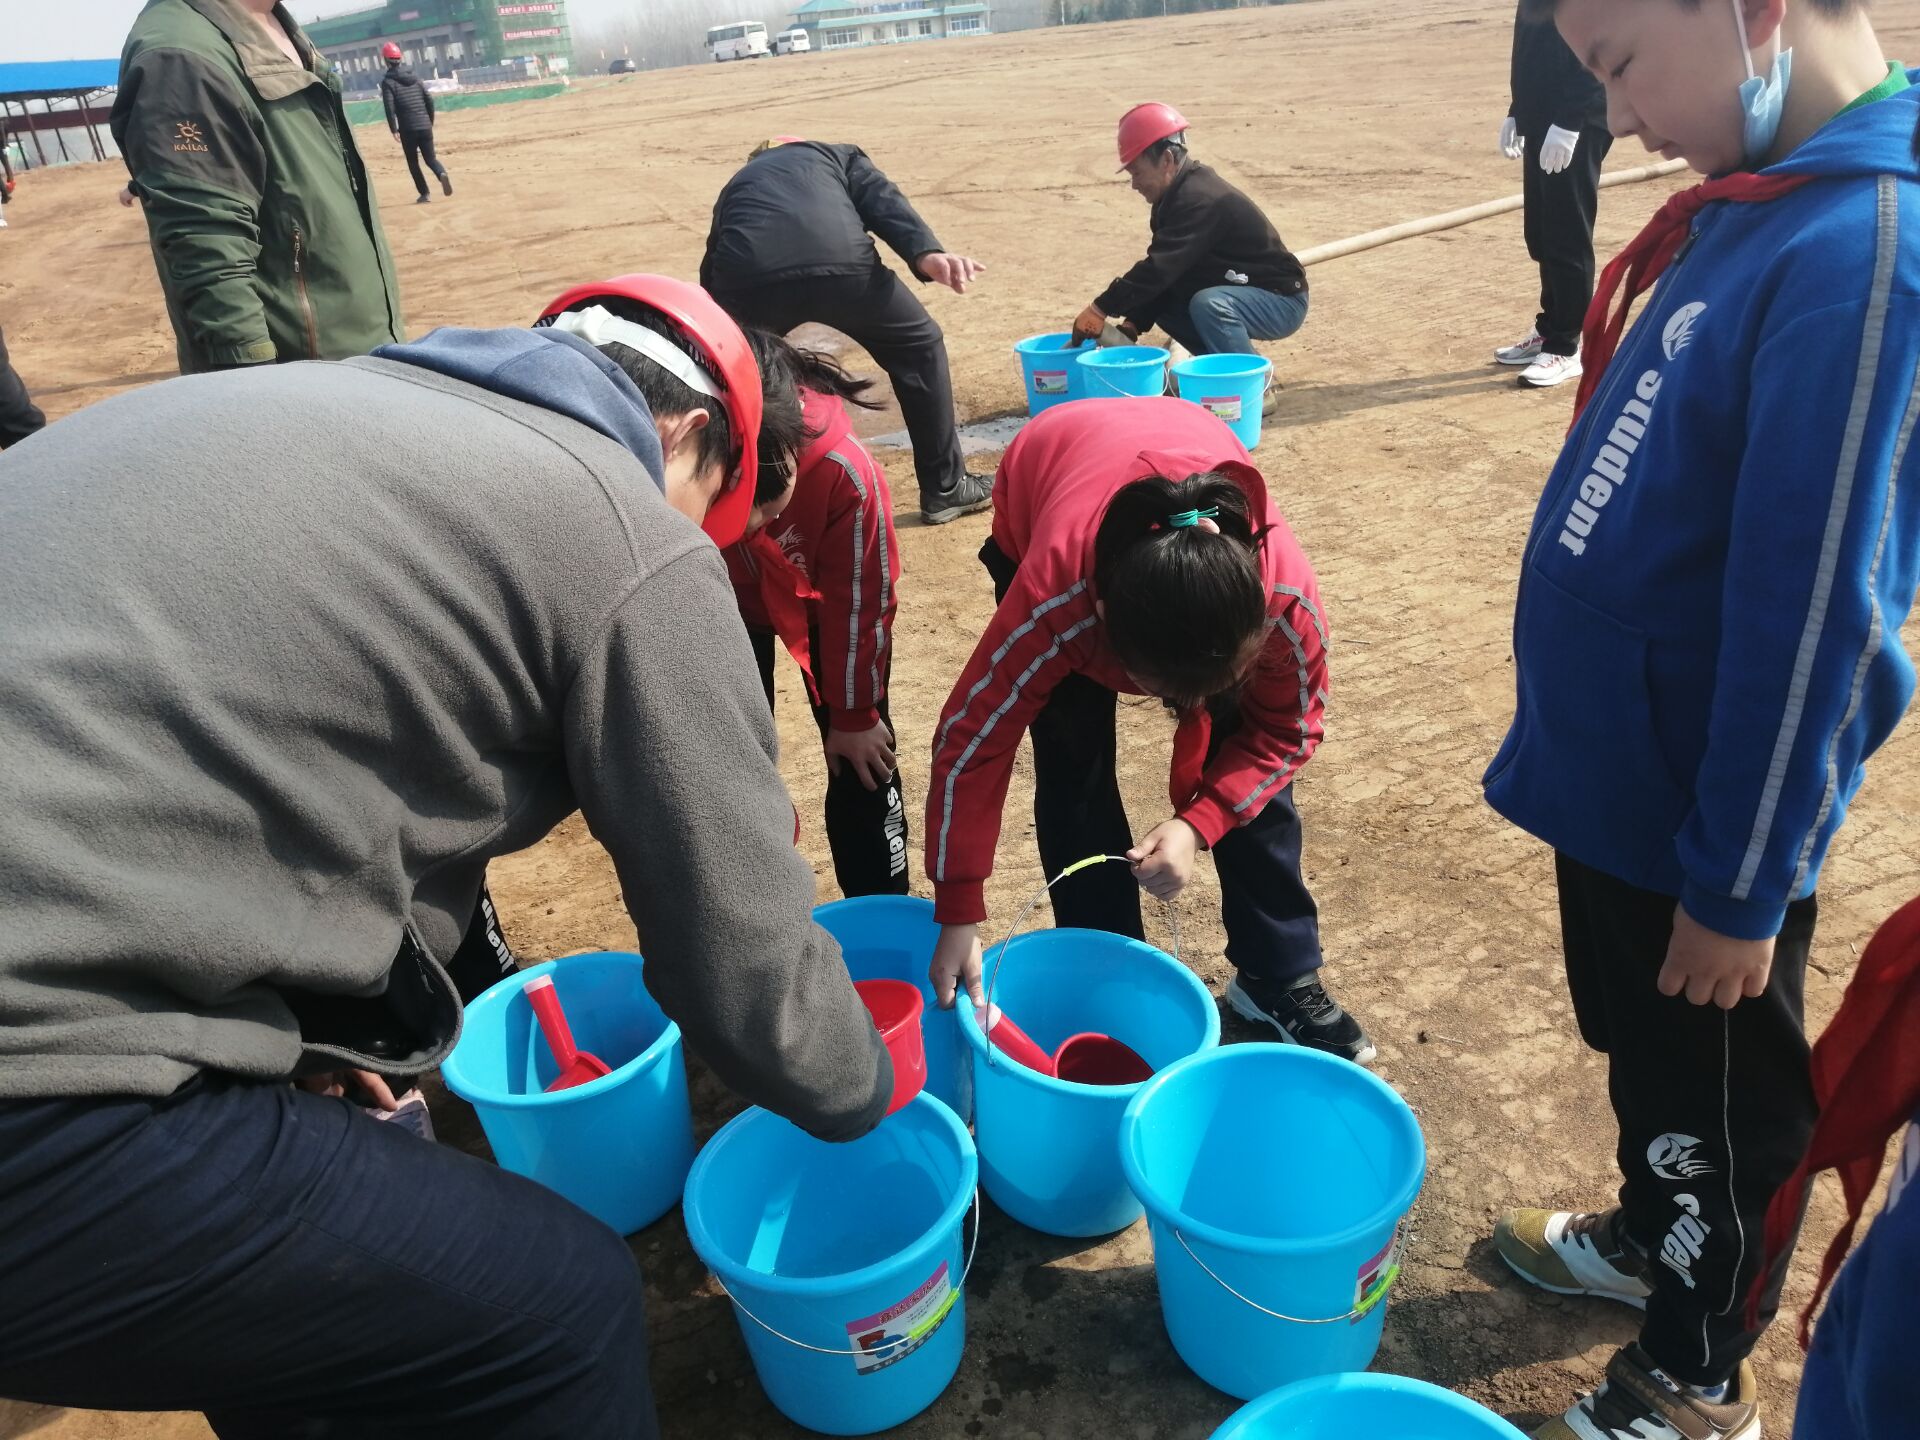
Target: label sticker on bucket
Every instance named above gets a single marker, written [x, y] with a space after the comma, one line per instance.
[902, 1328]
[1049, 382]
[1227, 407]
[1377, 1276]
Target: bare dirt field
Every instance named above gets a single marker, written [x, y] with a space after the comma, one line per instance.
[1407, 464]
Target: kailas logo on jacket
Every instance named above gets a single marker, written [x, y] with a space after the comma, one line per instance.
[1679, 332]
[1675, 1157]
[188, 137]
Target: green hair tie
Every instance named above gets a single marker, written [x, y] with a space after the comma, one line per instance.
[1185, 519]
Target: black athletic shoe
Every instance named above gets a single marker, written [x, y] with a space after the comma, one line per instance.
[973, 494]
[1303, 1013]
[446, 183]
[425, 199]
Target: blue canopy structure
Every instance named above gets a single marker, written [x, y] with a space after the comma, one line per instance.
[47, 81]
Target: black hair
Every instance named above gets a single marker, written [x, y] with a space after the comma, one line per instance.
[1183, 605]
[786, 370]
[666, 394]
[1174, 145]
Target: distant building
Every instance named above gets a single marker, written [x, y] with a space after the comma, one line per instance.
[519, 39]
[843, 24]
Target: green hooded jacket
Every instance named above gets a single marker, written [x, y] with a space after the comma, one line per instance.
[263, 221]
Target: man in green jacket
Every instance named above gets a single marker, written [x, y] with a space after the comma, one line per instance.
[263, 221]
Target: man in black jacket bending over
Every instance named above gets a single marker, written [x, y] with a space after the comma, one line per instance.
[1216, 277]
[410, 118]
[790, 244]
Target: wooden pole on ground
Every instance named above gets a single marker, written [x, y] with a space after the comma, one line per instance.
[1452, 219]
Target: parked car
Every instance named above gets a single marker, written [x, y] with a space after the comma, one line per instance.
[792, 42]
[622, 66]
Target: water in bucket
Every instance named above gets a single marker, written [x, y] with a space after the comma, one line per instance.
[1339, 1407]
[1048, 1151]
[1232, 387]
[619, 1146]
[1287, 1174]
[891, 937]
[845, 1262]
[1047, 365]
[1123, 370]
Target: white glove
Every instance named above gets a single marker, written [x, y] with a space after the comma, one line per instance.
[1512, 143]
[1557, 153]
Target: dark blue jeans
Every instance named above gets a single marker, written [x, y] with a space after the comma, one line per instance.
[1227, 319]
[297, 1270]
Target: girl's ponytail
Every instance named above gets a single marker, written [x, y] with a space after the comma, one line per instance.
[786, 370]
[1176, 564]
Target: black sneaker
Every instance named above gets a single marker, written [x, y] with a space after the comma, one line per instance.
[1303, 1013]
[446, 183]
[425, 199]
[973, 494]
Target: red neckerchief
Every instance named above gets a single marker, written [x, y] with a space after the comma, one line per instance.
[1646, 259]
[785, 592]
[1189, 756]
[1866, 1076]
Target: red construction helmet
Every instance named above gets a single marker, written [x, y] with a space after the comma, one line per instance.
[723, 353]
[1146, 125]
[390, 51]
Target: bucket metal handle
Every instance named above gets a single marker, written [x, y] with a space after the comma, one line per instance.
[1368, 1302]
[999, 959]
[891, 1345]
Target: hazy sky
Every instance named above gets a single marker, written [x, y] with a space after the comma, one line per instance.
[94, 29]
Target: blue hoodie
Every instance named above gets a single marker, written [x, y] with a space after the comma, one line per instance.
[548, 368]
[1707, 637]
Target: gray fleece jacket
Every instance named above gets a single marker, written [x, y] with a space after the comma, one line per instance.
[287, 654]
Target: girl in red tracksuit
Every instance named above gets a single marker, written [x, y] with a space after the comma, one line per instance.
[1135, 551]
[818, 571]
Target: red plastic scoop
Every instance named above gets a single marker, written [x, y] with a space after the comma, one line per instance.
[1090, 1059]
[896, 1006]
[1084, 1059]
[577, 1067]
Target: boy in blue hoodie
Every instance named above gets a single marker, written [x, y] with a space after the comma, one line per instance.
[1707, 648]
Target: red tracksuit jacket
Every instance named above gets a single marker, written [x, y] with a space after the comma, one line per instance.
[837, 534]
[1048, 497]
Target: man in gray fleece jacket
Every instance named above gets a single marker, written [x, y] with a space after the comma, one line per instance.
[285, 656]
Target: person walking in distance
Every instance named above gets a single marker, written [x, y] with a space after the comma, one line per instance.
[409, 108]
[792, 243]
[1560, 112]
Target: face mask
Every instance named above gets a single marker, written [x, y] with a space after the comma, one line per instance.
[1762, 101]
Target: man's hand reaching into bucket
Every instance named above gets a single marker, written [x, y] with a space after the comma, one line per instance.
[956, 961]
[1088, 324]
[1163, 862]
[956, 272]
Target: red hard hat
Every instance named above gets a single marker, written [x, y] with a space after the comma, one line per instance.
[1146, 125]
[723, 353]
[390, 51]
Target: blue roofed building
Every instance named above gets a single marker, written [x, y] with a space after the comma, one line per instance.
[844, 24]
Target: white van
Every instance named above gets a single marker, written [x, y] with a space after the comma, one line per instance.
[792, 42]
[738, 40]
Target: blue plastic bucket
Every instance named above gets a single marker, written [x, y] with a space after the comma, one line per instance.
[1232, 387]
[891, 937]
[1339, 1407]
[1048, 1152]
[1124, 370]
[1285, 1173]
[1047, 365]
[844, 1262]
[619, 1146]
